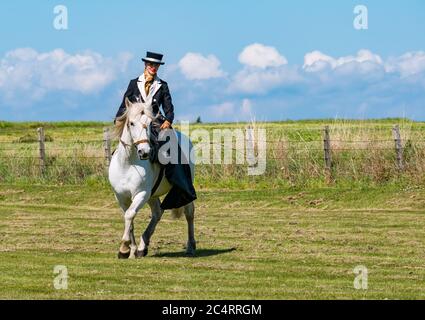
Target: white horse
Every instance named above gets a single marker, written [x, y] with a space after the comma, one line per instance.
[133, 177]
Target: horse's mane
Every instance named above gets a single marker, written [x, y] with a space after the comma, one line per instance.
[120, 122]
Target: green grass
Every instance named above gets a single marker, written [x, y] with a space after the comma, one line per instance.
[282, 243]
[287, 234]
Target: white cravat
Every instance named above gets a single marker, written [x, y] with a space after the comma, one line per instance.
[156, 84]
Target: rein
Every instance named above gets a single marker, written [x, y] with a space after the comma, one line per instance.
[135, 143]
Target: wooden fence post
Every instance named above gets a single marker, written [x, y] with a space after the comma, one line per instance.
[327, 151]
[398, 147]
[107, 146]
[42, 150]
[250, 146]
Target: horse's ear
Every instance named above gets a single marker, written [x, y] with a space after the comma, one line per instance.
[127, 103]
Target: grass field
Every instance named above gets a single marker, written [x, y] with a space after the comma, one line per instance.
[283, 243]
[288, 234]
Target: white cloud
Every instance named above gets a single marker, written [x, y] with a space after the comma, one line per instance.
[410, 63]
[223, 109]
[260, 81]
[362, 56]
[264, 69]
[194, 66]
[371, 66]
[261, 56]
[25, 71]
[231, 111]
[359, 84]
[317, 61]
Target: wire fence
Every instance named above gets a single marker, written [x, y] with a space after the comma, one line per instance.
[323, 153]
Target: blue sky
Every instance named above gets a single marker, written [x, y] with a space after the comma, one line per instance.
[225, 60]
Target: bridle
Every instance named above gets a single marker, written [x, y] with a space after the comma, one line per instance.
[136, 143]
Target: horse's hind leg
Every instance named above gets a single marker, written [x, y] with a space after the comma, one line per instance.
[189, 212]
[146, 237]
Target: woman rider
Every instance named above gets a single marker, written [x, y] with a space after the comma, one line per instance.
[149, 86]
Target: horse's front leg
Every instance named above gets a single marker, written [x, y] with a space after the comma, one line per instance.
[125, 204]
[138, 201]
[133, 245]
[146, 237]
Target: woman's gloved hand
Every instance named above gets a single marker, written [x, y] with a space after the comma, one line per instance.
[165, 125]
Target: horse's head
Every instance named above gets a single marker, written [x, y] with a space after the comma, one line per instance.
[139, 118]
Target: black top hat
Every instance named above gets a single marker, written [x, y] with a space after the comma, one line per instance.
[153, 57]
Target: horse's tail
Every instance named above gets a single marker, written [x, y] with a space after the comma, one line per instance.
[177, 213]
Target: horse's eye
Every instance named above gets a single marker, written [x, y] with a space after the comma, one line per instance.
[131, 123]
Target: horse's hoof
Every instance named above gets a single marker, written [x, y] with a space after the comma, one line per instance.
[123, 255]
[141, 253]
[132, 253]
[191, 249]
